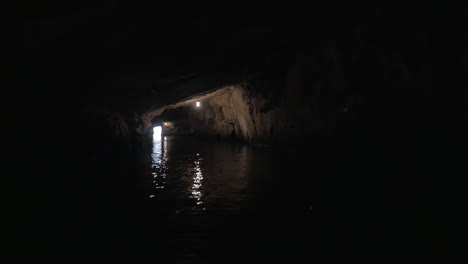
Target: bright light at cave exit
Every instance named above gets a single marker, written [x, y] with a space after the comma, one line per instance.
[157, 132]
[197, 104]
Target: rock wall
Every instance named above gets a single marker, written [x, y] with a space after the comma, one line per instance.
[110, 129]
[235, 113]
[248, 114]
[275, 105]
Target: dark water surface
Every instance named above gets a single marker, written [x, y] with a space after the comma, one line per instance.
[211, 201]
[190, 200]
[206, 201]
[214, 201]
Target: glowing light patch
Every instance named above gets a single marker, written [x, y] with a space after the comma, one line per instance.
[157, 132]
[197, 104]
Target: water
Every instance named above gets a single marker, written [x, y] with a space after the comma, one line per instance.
[201, 175]
[204, 199]
[186, 200]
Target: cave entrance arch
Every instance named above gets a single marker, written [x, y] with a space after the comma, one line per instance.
[157, 132]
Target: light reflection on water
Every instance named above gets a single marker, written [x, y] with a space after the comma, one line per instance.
[159, 157]
[193, 174]
[197, 182]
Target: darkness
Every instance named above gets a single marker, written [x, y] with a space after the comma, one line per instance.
[386, 84]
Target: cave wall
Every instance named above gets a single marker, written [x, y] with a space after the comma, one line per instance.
[237, 113]
[277, 104]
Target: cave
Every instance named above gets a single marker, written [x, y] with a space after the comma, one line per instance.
[229, 133]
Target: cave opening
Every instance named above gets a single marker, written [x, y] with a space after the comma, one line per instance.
[157, 132]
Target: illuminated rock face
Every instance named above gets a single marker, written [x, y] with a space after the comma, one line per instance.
[272, 107]
[235, 113]
[226, 114]
[243, 113]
